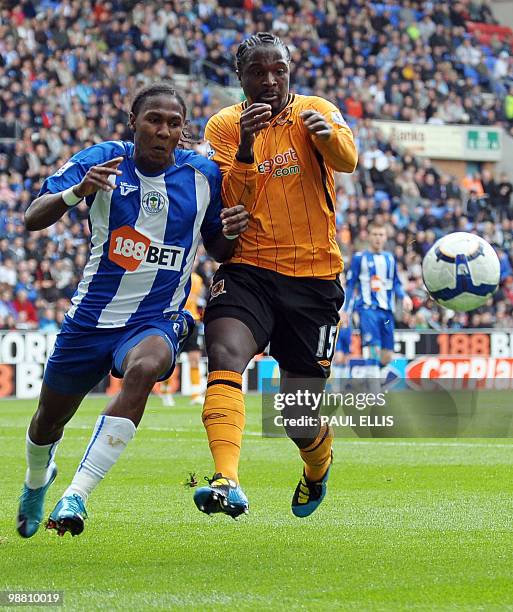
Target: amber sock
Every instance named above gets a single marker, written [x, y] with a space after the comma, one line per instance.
[223, 418]
[195, 382]
[317, 455]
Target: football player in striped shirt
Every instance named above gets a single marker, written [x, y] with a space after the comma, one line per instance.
[149, 205]
[343, 352]
[371, 289]
[278, 152]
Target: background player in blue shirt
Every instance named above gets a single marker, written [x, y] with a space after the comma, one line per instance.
[371, 288]
[342, 355]
[149, 205]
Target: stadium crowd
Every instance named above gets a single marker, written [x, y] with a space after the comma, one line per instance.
[68, 68]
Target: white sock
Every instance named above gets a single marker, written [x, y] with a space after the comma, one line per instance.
[195, 390]
[373, 370]
[110, 436]
[168, 399]
[40, 462]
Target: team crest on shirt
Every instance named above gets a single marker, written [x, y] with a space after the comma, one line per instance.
[153, 202]
[284, 118]
[210, 150]
[217, 289]
[337, 118]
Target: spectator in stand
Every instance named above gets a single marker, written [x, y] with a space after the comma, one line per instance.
[6, 304]
[47, 322]
[503, 192]
[430, 189]
[27, 314]
[506, 268]
[449, 189]
[46, 283]
[478, 209]
[8, 275]
[472, 182]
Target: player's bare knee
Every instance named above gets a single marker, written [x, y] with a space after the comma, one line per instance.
[143, 373]
[224, 354]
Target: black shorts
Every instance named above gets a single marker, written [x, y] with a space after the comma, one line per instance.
[298, 317]
[193, 341]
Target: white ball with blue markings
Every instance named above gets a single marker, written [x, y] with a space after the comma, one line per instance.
[461, 271]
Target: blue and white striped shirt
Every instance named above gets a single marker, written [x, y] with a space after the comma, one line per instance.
[144, 234]
[375, 277]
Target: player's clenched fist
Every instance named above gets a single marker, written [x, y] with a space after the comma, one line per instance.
[235, 220]
[254, 118]
[97, 177]
[316, 124]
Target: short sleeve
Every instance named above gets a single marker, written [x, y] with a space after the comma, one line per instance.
[71, 173]
[74, 170]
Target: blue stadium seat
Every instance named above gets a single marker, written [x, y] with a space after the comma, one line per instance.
[471, 73]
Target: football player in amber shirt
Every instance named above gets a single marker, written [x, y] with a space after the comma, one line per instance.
[278, 152]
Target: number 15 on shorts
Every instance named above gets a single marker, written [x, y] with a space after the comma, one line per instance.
[327, 341]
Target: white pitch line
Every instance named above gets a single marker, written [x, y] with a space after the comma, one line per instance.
[359, 441]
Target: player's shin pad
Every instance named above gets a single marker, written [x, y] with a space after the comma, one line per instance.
[223, 418]
[317, 456]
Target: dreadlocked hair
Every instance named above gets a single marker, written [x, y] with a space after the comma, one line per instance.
[161, 88]
[258, 40]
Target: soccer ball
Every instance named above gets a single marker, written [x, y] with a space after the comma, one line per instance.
[461, 271]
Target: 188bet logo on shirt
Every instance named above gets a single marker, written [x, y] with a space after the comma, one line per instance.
[129, 248]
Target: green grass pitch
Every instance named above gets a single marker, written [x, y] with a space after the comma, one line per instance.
[406, 524]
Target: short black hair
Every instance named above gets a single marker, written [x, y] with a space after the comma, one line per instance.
[156, 89]
[259, 39]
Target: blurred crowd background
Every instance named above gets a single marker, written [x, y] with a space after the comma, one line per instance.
[68, 70]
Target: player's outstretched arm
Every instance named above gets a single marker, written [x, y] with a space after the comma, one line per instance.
[222, 245]
[400, 291]
[352, 281]
[48, 208]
